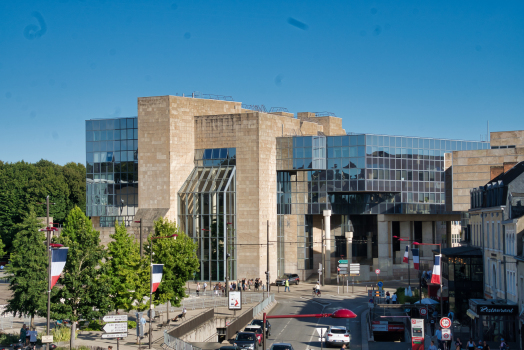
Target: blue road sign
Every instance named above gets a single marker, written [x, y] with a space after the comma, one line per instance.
[380, 284]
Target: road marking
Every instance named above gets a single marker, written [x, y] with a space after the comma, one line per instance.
[310, 338]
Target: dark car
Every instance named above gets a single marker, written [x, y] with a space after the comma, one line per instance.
[246, 340]
[229, 347]
[293, 279]
[281, 346]
[261, 323]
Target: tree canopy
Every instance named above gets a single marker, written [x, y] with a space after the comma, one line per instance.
[25, 184]
[179, 259]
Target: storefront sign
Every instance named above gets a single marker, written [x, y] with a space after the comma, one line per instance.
[380, 326]
[497, 309]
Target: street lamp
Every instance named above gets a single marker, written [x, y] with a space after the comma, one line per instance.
[440, 279]
[141, 244]
[151, 288]
[340, 313]
[227, 261]
[409, 274]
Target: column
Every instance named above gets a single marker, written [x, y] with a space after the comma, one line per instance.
[349, 246]
[327, 228]
[370, 245]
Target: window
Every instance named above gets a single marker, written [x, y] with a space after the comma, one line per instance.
[498, 234]
[493, 234]
[487, 234]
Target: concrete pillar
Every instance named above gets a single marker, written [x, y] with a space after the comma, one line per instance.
[384, 260]
[349, 246]
[405, 230]
[327, 227]
[428, 237]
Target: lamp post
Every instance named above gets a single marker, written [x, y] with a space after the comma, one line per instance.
[228, 270]
[440, 262]
[151, 288]
[409, 274]
[141, 241]
[340, 313]
[210, 284]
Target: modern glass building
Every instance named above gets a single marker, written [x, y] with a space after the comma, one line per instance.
[207, 211]
[112, 169]
[358, 176]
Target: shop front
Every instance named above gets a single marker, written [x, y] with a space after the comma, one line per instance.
[492, 320]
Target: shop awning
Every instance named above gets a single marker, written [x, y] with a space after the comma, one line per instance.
[472, 314]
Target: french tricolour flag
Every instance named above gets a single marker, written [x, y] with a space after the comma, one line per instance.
[158, 269]
[435, 277]
[406, 255]
[416, 258]
[58, 260]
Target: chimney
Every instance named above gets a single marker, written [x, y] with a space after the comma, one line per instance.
[508, 166]
[496, 171]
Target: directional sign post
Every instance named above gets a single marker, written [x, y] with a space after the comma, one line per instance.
[115, 330]
[114, 335]
[115, 318]
[342, 261]
[115, 327]
[354, 269]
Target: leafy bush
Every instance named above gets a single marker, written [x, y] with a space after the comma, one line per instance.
[402, 298]
[94, 325]
[131, 324]
[8, 339]
[63, 334]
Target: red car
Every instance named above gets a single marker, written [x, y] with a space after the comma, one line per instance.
[257, 330]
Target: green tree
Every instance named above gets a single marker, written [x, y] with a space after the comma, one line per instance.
[2, 246]
[179, 259]
[85, 291]
[28, 269]
[24, 184]
[127, 271]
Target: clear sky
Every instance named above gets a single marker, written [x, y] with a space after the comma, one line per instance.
[416, 68]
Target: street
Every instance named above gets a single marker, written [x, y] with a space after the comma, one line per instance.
[302, 333]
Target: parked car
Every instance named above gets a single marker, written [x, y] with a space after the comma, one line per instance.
[257, 330]
[281, 346]
[229, 347]
[246, 340]
[337, 335]
[261, 323]
[293, 279]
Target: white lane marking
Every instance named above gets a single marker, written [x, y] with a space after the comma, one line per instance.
[316, 324]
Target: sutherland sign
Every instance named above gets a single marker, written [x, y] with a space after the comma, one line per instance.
[497, 309]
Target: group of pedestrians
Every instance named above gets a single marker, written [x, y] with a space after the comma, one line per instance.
[392, 299]
[470, 344]
[244, 284]
[27, 336]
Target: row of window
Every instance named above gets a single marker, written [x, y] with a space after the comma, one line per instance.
[117, 156]
[111, 135]
[111, 124]
[124, 145]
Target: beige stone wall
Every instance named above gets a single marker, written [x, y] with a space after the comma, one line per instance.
[507, 138]
[166, 145]
[332, 125]
[470, 169]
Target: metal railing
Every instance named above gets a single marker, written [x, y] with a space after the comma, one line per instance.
[6, 323]
[212, 301]
[260, 307]
[171, 342]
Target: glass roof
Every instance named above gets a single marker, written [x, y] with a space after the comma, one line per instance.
[217, 179]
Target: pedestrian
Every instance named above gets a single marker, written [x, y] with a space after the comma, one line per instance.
[32, 335]
[287, 286]
[23, 333]
[503, 345]
[458, 344]
[205, 286]
[343, 346]
[470, 345]
[198, 289]
[243, 284]
[143, 323]
[432, 346]
[109, 347]
[394, 298]
[388, 297]
[438, 334]
[486, 346]
[479, 345]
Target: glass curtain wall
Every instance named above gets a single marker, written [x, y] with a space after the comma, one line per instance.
[207, 212]
[112, 169]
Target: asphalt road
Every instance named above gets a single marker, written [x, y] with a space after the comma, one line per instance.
[302, 333]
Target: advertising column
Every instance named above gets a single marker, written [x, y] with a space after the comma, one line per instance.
[417, 334]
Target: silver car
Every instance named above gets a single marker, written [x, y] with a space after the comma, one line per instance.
[281, 346]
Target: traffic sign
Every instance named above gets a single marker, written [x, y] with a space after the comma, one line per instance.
[114, 335]
[445, 322]
[115, 327]
[342, 265]
[47, 339]
[354, 269]
[115, 318]
[423, 311]
[380, 284]
[377, 271]
[342, 261]
[446, 334]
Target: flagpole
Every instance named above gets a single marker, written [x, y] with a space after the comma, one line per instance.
[441, 295]
[150, 292]
[48, 272]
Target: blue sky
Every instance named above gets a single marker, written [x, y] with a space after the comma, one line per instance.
[436, 69]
